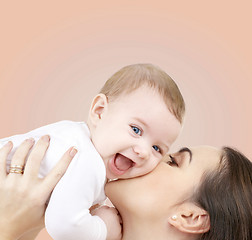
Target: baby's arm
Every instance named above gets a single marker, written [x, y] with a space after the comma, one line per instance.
[67, 216]
[112, 219]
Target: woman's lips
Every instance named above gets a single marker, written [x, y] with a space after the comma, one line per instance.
[120, 164]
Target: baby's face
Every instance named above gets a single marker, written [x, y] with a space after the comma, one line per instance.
[134, 133]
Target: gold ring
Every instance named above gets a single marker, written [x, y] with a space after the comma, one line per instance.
[13, 170]
[17, 166]
[16, 169]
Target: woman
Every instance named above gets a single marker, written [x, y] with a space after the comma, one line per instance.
[197, 193]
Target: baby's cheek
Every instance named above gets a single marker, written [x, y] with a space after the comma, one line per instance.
[153, 165]
[156, 162]
[159, 160]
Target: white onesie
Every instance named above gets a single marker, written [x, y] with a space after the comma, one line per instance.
[67, 216]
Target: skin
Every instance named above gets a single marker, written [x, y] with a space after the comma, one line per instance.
[147, 204]
[131, 138]
[132, 126]
[23, 196]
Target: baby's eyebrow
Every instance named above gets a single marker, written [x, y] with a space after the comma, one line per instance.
[142, 121]
[186, 149]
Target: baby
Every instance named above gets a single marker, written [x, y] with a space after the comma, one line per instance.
[131, 125]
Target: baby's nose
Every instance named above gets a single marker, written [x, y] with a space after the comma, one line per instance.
[142, 151]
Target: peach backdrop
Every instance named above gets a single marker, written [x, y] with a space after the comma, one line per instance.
[55, 55]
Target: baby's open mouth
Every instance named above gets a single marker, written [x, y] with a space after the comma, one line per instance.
[122, 163]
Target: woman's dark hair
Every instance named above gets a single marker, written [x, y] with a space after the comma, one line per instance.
[226, 194]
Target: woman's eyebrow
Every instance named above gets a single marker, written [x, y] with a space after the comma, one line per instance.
[185, 149]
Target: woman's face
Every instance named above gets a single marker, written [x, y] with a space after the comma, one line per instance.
[170, 183]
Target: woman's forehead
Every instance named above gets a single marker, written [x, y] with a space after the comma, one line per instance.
[206, 155]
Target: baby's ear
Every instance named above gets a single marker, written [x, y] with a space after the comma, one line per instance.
[190, 218]
[98, 107]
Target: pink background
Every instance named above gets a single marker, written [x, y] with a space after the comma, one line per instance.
[54, 56]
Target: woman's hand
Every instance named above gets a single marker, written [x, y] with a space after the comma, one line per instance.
[23, 195]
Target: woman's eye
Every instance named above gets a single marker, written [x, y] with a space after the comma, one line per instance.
[172, 161]
[136, 130]
[156, 148]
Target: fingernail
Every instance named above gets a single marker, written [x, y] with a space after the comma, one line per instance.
[8, 144]
[73, 151]
[31, 140]
[46, 138]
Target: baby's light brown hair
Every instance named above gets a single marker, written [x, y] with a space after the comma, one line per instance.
[131, 77]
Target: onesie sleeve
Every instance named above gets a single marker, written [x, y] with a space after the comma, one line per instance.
[67, 216]
[36, 134]
[59, 144]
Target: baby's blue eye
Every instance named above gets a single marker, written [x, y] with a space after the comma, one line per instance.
[156, 148]
[136, 130]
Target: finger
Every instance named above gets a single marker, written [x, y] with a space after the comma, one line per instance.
[4, 151]
[22, 152]
[36, 156]
[57, 172]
